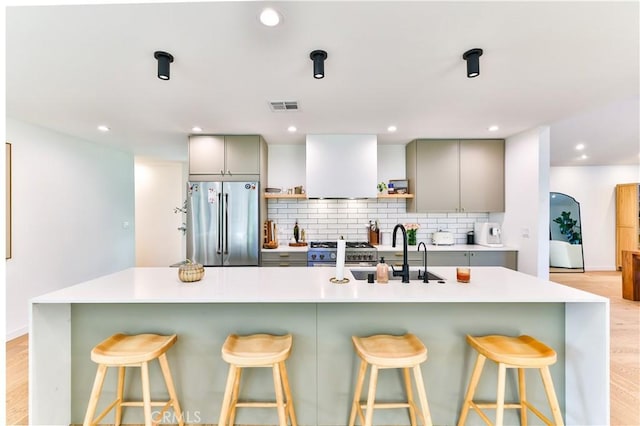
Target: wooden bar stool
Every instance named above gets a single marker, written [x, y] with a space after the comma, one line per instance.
[512, 352]
[257, 350]
[387, 351]
[121, 350]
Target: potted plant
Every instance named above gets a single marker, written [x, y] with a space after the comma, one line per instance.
[412, 229]
[568, 228]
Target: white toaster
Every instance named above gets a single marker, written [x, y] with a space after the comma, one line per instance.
[442, 238]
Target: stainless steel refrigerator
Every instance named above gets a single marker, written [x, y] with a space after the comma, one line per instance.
[223, 223]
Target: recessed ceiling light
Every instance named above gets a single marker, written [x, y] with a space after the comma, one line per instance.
[392, 128]
[269, 17]
[583, 157]
[580, 146]
[103, 128]
[196, 129]
[291, 129]
[493, 128]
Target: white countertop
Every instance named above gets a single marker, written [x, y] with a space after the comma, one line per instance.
[430, 247]
[311, 285]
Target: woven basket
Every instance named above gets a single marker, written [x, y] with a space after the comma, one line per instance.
[190, 272]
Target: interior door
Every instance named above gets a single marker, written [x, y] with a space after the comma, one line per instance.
[241, 217]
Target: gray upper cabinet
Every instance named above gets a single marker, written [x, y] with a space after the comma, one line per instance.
[224, 155]
[455, 175]
[482, 175]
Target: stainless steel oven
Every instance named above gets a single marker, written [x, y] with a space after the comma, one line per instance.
[324, 253]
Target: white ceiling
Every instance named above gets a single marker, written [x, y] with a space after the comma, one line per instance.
[571, 65]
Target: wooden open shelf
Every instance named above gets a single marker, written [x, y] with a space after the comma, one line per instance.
[281, 195]
[303, 196]
[395, 195]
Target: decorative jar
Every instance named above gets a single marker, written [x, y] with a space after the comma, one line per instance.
[190, 272]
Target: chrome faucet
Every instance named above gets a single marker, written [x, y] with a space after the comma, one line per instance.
[405, 257]
[425, 278]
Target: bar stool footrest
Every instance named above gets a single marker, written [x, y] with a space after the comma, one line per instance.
[258, 404]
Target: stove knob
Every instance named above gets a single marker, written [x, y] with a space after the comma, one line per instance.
[322, 256]
[333, 256]
[313, 256]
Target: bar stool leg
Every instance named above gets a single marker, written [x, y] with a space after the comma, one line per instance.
[146, 393]
[551, 395]
[502, 369]
[523, 396]
[120, 396]
[235, 396]
[287, 394]
[166, 372]
[95, 394]
[355, 407]
[277, 382]
[410, 401]
[371, 396]
[422, 395]
[473, 384]
[228, 390]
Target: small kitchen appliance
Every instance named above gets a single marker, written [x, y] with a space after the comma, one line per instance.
[488, 234]
[442, 238]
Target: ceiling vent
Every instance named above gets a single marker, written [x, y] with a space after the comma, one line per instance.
[277, 106]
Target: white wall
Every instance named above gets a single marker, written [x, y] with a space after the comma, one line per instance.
[73, 215]
[286, 166]
[594, 188]
[526, 219]
[159, 189]
[391, 163]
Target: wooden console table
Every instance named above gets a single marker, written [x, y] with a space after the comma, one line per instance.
[631, 275]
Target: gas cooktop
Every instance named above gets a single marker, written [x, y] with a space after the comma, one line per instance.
[334, 245]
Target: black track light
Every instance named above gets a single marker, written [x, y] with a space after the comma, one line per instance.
[164, 59]
[318, 57]
[473, 62]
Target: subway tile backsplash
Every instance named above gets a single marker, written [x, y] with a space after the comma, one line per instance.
[330, 219]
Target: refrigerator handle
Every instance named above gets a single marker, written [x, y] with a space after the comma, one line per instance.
[226, 223]
[219, 224]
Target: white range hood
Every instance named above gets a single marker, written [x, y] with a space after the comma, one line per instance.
[342, 166]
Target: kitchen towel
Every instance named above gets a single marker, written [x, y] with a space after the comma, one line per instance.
[342, 245]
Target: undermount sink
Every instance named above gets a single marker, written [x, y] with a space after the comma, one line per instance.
[361, 274]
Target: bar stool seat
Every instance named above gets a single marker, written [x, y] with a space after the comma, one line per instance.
[384, 351]
[121, 350]
[512, 352]
[257, 350]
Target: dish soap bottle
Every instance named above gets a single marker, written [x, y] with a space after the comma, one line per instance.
[382, 272]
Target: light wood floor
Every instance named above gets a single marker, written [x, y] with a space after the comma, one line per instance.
[625, 352]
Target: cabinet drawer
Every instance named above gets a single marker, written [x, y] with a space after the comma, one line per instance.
[448, 258]
[283, 263]
[284, 257]
[395, 257]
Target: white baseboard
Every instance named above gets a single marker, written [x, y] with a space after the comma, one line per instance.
[17, 333]
[600, 268]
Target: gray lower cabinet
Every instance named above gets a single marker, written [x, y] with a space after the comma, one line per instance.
[507, 259]
[284, 258]
[394, 258]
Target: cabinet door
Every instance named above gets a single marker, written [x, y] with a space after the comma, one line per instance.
[448, 258]
[627, 239]
[482, 175]
[242, 155]
[507, 259]
[437, 183]
[627, 205]
[206, 155]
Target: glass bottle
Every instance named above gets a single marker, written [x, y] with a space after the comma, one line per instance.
[296, 232]
[382, 272]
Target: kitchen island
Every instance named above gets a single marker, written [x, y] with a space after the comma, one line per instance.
[322, 317]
